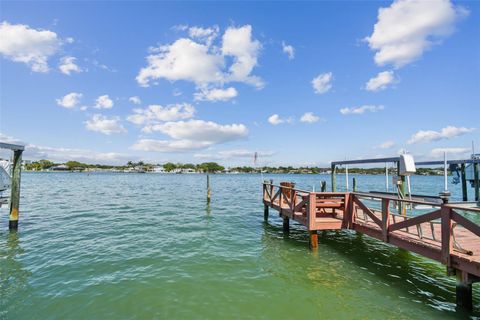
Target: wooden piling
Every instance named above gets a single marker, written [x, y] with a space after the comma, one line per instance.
[323, 186]
[464, 182]
[354, 184]
[265, 213]
[313, 237]
[286, 224]
[463, 291]
[209, 191]
[15, 190]
[334, 178]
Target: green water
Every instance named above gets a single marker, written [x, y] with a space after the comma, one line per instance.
[146, 246]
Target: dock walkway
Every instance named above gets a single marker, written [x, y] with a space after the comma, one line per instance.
[445, 234]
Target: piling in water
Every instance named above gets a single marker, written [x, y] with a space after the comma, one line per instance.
[209, 191]
[15, 190]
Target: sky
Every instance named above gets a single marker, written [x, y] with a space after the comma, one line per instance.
[300, 83]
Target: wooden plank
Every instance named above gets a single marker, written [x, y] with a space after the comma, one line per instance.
[447, 241]
[469, 225]
[416, 220]
[385, 218]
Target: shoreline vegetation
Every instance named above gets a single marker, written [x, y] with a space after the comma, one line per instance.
[210, 167]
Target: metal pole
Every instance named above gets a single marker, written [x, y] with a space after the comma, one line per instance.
[346, 176]
[445, 173]
[476, 182]
[386, 176]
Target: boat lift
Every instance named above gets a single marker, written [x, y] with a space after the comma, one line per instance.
[469, 172]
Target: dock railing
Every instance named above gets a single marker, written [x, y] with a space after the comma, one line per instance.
[445, 233]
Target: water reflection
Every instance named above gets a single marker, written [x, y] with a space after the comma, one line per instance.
[13, 276]
[415, 278]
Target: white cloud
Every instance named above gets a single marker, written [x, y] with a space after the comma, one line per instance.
[409, 27]
[438, 152]
[387, 144]
[103, 102]
[204, 63]
[362, 109]
[288, 50]
[183, 60]
[238, 43]
[156, 113]
[135, 100]
[199, 130]
[230, 154]
[275, 119]
[20, 43]
[70, 100]
[445, 133]
[216, 94]
[168, 145]
[104, 124]
[35, 152]
[309, 117]
[67, 65]
[381, 81]
[191, 135]
[206, 35]
[322, 83]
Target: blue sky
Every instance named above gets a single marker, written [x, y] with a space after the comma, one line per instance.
[225, 80]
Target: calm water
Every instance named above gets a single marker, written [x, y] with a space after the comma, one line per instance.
[142, 246]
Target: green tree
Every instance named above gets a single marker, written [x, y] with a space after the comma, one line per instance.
[169, 166]
[210, 167]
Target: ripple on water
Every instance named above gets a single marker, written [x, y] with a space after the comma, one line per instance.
[147, 246]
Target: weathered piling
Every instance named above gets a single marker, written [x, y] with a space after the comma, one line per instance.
[464, 182]
[313, 239]
[15, 184]
[286, 224]
[209, 191]
[334, 178]
[354, 184]
[15, 190]
[323, 186]
[463, 290]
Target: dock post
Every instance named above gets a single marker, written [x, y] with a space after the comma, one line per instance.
[334, 178]
[354, 184]
[286, 224]
[15, 190]
[313, 235]
[323, 187]
[476, 183]
[463, 291]
[265, 212]
[464, 183]
[209, 191]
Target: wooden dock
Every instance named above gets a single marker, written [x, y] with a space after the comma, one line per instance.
[444, 234]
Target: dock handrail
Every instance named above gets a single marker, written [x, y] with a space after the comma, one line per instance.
[392, 198]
